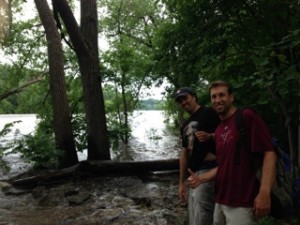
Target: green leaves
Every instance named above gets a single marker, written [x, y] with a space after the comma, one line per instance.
[39, 149]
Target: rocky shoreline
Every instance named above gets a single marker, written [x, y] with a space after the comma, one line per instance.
[91, 200]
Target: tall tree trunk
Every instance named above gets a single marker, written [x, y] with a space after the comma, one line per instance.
[98, 145]
[62, 126]
[298, 136]
[5, 19]
[85, 42]
[124, 71]
[123, 83]
[291, 138]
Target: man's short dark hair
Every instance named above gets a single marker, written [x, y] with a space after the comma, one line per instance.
[221, 83]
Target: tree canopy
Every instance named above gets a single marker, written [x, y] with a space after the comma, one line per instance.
[255, 45]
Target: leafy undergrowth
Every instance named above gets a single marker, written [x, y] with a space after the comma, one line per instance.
[294, 219]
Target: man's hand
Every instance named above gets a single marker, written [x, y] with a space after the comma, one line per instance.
[194, 179]
[262, 205]
[203, 136]
[182, 193]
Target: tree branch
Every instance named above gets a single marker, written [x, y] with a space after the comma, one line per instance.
[20, 88]
[72, 27]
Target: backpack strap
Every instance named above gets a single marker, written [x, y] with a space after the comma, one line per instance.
[243, 135]
[243, 141]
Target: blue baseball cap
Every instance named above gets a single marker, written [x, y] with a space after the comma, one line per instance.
[184, 91]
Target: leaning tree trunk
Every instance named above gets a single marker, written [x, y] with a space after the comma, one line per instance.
[85, 42]
[62, 126]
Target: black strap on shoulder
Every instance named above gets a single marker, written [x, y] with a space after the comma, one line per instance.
[242, 135]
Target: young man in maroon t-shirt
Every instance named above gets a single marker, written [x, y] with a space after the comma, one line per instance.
[240, 199]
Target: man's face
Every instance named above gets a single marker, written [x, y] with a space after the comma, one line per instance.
[221, 99]
[187, 103]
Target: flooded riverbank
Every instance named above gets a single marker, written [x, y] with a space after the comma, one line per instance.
[150, 140]
[91, 200]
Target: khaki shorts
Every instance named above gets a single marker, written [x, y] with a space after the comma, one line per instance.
[201, 203]
[226, 215]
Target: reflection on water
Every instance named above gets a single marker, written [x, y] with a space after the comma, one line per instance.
[150, 139]
[24, 124]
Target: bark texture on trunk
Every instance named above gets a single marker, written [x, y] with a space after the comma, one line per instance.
[85, 42]
[62, 125]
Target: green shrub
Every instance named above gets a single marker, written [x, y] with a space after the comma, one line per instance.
[4, 146]
[38, 149]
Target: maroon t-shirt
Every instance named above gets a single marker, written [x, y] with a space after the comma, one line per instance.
[236, 185]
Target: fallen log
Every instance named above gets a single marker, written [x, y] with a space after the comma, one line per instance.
[128, 167]
[97, 168]
[44, 177]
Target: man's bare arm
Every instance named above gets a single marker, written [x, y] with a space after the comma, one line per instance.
[262, 202]
[194, 180]
[182, 174]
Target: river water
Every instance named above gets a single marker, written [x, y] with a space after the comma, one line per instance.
[87, 200]
[151, 139]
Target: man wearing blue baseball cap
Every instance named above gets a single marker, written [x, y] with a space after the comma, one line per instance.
[197, 154]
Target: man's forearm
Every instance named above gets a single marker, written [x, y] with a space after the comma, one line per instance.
[268, 172]
[194, 180]
[209, 176]
[182, 165]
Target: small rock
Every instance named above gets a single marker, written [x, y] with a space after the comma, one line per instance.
[14, 191]
[78, 199]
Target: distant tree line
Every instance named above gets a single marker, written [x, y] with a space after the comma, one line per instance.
[151, 104]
